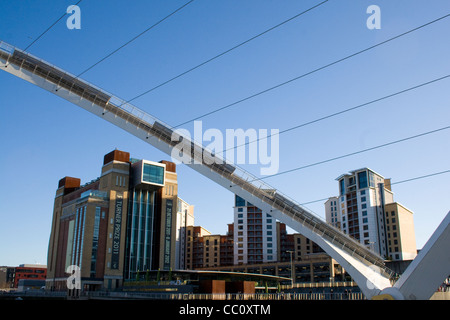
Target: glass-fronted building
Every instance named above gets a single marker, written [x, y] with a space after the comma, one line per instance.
[117, 226]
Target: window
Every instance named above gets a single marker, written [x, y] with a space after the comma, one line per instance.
[363, 199]
[351, 181]
[363, 192]
[342, 187]
[364, 213]
[364, 206]
[239, 202]
[372, 179]
[153, 174]
[362, 179]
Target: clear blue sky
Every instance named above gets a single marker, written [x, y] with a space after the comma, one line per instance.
[44, 138]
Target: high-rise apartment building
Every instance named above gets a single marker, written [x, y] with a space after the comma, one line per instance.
[360, 211]
[206, 250]
[255, 239]
[332, 214]
[256, 246]
[113, 227]
[218, 252]
[399, 223]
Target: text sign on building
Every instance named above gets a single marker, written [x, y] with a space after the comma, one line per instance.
[116, 233]
[168, 231]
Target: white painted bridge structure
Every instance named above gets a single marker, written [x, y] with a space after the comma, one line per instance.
[368, 270]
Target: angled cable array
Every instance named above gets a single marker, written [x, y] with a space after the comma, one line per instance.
[48, 29]
[135, 37]
[359, 106]
[228, 51]
[355, 153]
[313, 71]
